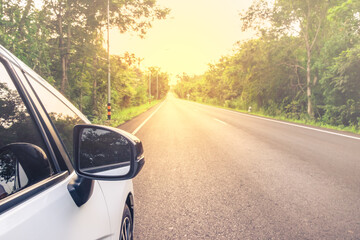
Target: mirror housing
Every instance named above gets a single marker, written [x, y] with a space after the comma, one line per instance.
[106, 153]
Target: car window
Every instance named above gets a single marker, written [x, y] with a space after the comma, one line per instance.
[63, 117]
[23, 161]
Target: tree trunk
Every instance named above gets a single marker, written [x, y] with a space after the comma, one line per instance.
[61, 51]
[309, 46]
[81, 96]
[308, 83]
[81, 85]
[94, 87]
[23, 18]
[68, 45]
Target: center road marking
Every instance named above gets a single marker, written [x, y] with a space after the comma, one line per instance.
[147, 119]
[220, 121]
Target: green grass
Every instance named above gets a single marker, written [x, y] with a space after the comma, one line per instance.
[313, 123]
[119, 116]
[307, 122]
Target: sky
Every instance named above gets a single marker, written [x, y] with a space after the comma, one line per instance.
[196, 33]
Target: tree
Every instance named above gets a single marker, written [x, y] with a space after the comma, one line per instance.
[62, 40]
[305, 19]
[340, 81]
[88, 18]
[342, 92]
[23, 32]
[159, 82]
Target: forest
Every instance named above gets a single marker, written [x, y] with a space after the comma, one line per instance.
[63, 41]
[304, 64]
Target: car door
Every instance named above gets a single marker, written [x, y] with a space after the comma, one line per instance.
[35, 202]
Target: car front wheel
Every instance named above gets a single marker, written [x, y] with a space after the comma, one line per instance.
[126, 225]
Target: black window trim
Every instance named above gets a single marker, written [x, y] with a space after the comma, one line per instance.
[24, 194]
[52, 130]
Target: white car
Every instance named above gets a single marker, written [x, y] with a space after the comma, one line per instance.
[60, 176]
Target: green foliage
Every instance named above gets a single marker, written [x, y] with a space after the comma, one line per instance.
[303, 45]
[159, 82]
[342, 89]
[63, 41]
[23, 32]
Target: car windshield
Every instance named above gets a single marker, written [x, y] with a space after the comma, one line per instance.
[248, 111]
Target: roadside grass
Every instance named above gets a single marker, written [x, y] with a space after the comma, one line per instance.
[308, 122]
[119, 116]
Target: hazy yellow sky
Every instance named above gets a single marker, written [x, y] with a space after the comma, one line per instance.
[196, 32]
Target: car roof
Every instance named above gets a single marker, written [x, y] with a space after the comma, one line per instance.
[17, 62]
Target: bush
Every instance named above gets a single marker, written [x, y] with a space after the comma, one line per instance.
[346, 115]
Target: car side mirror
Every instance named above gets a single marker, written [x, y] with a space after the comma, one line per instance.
[106, 153]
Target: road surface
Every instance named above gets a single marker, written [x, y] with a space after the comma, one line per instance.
[217, 174]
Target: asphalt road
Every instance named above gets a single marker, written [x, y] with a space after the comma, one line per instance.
[217, 174]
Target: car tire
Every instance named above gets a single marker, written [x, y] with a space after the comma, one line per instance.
[127, 227]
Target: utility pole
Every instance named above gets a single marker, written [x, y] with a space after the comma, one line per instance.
[108, 59]
[150, 87]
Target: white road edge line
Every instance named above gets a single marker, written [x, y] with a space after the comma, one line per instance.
[220, 121]
[285, 123]
[147, 119]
